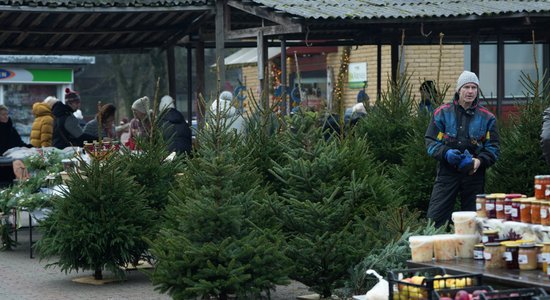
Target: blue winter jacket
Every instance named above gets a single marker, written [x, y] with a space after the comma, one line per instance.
[481, 138]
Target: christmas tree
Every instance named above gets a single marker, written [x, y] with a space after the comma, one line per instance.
[98, 222]
[211, 244]
[325, 188]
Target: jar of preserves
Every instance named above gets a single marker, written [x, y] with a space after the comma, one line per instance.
[516, 203]
[480, 206]
[489, 236]
[511, 254]
[490, 203]
[539, 256]
[544, 215]
[540, 187]
[508, 205]
[493, 255]
[478, 252]
[535, 211]
[499, 206]
[527, 256]
[525, 210]
[545, 256]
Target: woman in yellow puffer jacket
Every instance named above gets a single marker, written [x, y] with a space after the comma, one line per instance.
[42, 127]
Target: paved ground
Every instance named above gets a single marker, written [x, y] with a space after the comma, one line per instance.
[23, 278]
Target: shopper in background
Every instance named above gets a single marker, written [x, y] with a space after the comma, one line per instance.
[140, 125]
[107, 115]
[427, 94]
[229, 116]
[67, 132]
[9, 137]
[462, 136]
[175, 129]
[42, 126]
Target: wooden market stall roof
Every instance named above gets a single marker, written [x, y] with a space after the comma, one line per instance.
[76, 26]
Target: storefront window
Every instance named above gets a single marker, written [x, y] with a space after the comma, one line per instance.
[19, 99]
[518, 58]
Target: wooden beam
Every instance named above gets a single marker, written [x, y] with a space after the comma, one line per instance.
[200, 87]
[266, 31]
[191, 27]
[82, 10]
[261, 12]
[474, 54]
[500, 74]
[171, 64]
[190, 97]
[220, 43]
[378, 71]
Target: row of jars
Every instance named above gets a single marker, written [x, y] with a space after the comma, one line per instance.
[542, 187]
[513, 207]
[521, 255]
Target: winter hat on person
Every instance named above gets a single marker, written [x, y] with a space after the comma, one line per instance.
[71, 96]
[50, 101]
[166, 102]
[466, 77]
[226, 95]
[141, 105]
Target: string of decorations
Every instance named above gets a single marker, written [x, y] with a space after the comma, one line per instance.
[342, 75]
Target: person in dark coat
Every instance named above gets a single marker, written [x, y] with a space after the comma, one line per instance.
[175, 129]
[10, 138]
[462, 136]
[66, 130]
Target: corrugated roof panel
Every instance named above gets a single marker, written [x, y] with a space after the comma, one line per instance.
[380, 9]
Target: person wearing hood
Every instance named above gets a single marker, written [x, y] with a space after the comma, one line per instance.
[42, 126]
[462, 136]
[230, 118]
[67, 131]
[175, 129]
[10, 136]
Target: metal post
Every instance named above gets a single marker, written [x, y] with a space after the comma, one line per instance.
[189, 85]
[500, 74]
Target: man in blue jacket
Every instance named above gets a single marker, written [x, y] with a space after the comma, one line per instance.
[462, 136]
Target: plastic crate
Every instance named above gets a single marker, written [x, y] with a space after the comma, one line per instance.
[514, 294]
[434, 278]
[451, 293]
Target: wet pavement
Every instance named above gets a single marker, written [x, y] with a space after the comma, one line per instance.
[23, 278]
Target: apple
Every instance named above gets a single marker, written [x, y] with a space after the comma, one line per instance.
[445, 298]
[462, 295]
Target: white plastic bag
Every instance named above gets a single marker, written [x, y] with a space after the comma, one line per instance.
[380, 291]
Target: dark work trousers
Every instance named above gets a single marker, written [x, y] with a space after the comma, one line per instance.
[448, 184]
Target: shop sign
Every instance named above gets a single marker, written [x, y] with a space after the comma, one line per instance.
[29, 75]
[357, 75]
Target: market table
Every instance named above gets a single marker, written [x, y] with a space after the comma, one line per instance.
[502, 277]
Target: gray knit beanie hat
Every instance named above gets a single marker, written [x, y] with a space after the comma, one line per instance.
[466, 77]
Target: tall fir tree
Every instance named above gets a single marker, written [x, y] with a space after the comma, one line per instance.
[99, 221]
[211, 244]
[325, 190]
[521, 154]
[387, 125]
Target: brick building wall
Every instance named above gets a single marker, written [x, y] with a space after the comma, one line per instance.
[422, 63]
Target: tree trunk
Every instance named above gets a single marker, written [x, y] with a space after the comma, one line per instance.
[97, 274]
